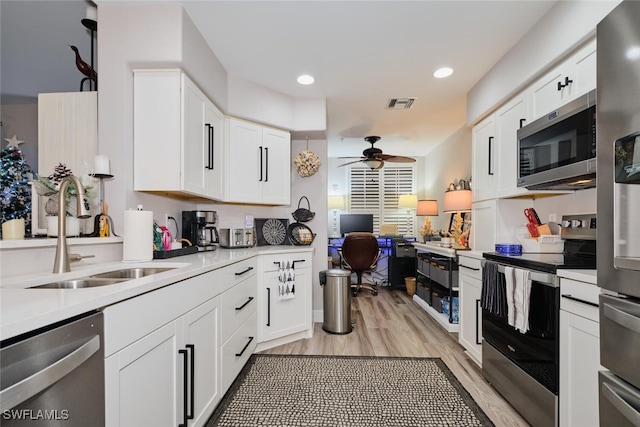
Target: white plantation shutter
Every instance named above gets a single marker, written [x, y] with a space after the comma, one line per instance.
[376, 192]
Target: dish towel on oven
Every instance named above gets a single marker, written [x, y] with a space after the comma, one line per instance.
[493, 296]
[518, 289]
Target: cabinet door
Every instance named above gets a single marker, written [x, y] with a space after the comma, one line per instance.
[483, 231]
[213, 152]
[201, 329]
[279, 316]
[244, 178]
[194, 148]
[470, 315]
[545, 95]
[579, 366]
[509, 119]
[584, 69]
[277, 167]
[483, 154]
[143, 381]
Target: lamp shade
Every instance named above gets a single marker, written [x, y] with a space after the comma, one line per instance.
[336, 202]
[457, 201]
[408, 201]
[427, 208]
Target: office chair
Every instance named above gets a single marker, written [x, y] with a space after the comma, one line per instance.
[360, 252]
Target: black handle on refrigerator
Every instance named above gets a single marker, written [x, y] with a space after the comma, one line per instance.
[490, 146]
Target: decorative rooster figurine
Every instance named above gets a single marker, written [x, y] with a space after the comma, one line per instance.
[84, 68]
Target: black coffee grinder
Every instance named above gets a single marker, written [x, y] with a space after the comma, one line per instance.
[199, 227]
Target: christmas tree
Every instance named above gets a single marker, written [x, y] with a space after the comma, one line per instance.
[14, 182]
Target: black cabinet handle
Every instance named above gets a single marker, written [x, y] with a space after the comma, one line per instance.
[245, 304]
[478, 341]
[522, 122]
[211, 146]
[208, 165]
[469, 268]
[260, 163]
[572, 298]
[490, 146]
[567, 82]
[245, 347]
[268, 306]
[193, 377]
[266, 164]
[244, 271]
[185, 383]
[293, 264]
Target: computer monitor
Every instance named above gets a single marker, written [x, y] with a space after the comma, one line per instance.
[350, 223]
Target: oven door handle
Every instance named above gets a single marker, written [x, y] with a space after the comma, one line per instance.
[546, 279]
[622, 318]
[28, 387]
[620, 404]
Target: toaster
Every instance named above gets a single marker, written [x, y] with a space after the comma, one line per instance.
[237, 237]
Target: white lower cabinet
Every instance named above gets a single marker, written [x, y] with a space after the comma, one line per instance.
[282, 314]
[470, 286]
[579, 354]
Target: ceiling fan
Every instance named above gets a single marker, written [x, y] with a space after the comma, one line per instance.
[374, 158]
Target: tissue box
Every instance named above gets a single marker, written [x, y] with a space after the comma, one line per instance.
[544, 244]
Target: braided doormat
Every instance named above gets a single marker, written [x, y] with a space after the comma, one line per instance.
[327, 391]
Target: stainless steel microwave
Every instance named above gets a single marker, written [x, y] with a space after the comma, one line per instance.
[558, 151]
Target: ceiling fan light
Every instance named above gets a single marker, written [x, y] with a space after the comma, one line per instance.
[443, 72]
[373, 163]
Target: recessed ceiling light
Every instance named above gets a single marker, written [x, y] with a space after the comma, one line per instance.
[306, 79]
[443, 72]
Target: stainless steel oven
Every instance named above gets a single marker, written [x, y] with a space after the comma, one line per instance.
[524, 367]
[54, 376]
[618, 110]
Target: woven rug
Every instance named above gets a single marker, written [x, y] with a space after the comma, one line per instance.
[327, 391]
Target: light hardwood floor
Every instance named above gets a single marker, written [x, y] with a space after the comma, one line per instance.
[392, 324]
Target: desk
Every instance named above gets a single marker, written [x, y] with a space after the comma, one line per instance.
[390, 270]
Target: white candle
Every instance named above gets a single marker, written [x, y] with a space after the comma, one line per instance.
[101, 165]
[92, 13]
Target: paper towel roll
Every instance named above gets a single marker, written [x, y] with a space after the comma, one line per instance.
[137, 243]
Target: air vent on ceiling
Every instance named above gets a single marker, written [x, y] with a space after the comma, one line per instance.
[400, 103]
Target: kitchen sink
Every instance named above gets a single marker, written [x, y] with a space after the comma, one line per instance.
[78, 283]
[103, 279]
[130, 273]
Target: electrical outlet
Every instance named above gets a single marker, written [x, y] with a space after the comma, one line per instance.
[166, 220]
[552, 217]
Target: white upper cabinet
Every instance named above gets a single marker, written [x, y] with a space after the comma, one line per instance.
[483, 167]
[509, 119]
[174, 120]
[573, 77]
[259, 163]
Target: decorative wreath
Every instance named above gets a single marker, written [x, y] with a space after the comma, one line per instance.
[307, 162]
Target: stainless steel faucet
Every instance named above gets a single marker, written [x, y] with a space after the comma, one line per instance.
[61, 263]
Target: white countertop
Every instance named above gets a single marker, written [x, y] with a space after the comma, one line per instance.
[435, 248]
[23, 310]
[588, 276]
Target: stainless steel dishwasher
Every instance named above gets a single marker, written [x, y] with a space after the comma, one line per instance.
[54, 376]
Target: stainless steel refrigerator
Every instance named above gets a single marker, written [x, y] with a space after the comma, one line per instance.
[618, 189]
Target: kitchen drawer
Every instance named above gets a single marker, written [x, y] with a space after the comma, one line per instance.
[579, 298]
[237, 350]
[439, 272]
[272, 262]
[470, 267]
[237, 305]
[235, 273]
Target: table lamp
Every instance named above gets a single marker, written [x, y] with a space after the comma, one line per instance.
[427, 208]
[336, 203]
[408, 201]
[456, 202]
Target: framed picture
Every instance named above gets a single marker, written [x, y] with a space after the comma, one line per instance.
[272, 231]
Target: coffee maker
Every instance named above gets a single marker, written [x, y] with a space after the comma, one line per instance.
[199, 227]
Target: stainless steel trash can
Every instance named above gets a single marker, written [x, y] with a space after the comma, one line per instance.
[337, 300]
